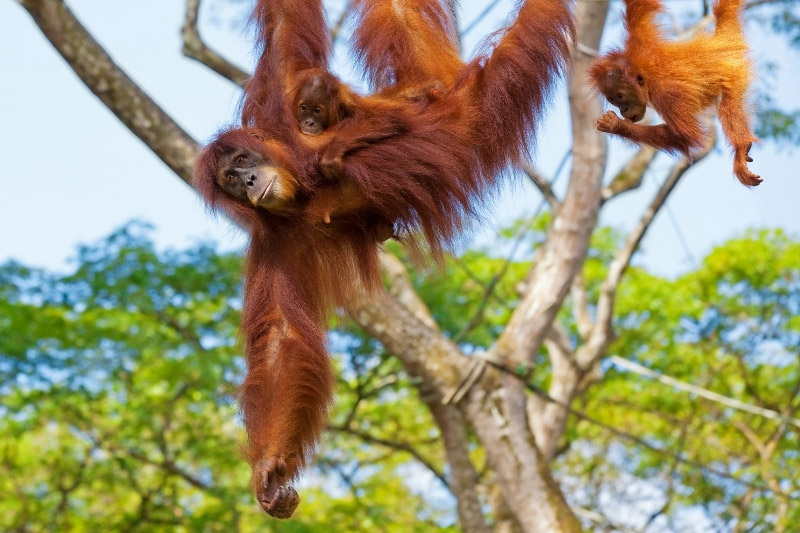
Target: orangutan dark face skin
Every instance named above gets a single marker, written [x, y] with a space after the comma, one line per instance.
[629, 97]
[247, 175]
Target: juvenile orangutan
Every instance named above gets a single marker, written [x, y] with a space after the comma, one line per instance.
[679, 80]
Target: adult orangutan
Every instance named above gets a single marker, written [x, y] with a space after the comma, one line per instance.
[420, 164]
[679, 79]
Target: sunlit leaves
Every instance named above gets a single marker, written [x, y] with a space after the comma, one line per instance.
[117, 385]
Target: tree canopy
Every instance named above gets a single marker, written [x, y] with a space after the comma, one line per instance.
[118, 379]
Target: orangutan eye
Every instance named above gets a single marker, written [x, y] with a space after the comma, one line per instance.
[241, 161]
[317, 110]
[640, 79]
[303, 107]
[232, 178]
[620, 96]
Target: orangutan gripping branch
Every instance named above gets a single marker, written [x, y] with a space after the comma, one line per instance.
[679, 80]
[418, 154]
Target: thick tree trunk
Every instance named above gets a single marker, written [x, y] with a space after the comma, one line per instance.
[408, 332]
[463, 477]
[498, 408]
[524, 477]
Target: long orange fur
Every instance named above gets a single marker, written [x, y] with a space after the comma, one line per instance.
[427, 177]
[680, 79]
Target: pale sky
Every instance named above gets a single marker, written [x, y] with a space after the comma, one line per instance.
[72, 172]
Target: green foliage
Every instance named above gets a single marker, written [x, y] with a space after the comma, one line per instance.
[117, 386]
[730, 327]
[775, 124]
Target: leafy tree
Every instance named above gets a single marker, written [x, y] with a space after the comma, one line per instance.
[549, 317]
[731, 326]
[117, 384]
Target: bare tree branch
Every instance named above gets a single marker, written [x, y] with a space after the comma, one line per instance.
[449, 419]
[522, 473]
[549, 419]
[565, 248]
[113, 87]
[662, 451]
[401, 289]
[602, 333]
[631, 175]
[541, 183]
[759, 3]
[423, 350]
[604, 522]
[337, 26]
[463, 477]
[195, 48]
[394, 445]
[705, 393]
[498, 408]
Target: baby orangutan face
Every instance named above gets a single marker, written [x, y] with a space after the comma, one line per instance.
[250, 176]
[627, 99]
[320, 101]
[311, 110]
[621, 88]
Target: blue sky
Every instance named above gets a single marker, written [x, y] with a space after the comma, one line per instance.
[71, 172]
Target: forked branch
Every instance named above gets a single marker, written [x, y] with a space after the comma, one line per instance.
[602, 333]
[195, 48]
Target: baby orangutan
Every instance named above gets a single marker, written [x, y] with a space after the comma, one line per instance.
[320, 103]
[438, 159]
[679, 80]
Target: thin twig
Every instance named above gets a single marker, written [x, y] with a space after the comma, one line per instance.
[195, 48]
[631, 175]
[394, 445]
[603, 333]
[633, 438]
[337, 26]
[703, 393]
[541, 183]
